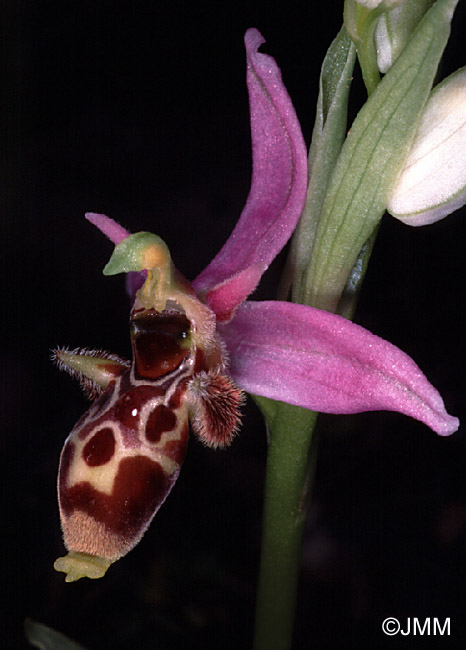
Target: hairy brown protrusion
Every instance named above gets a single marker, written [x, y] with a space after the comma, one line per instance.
[215, 403]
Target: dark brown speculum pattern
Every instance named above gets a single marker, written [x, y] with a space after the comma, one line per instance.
[159, 342]
[100, 448]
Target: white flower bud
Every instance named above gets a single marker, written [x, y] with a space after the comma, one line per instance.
[372, 4]
[432, 183]
[383, 43]
[369, 4]
[394, 29]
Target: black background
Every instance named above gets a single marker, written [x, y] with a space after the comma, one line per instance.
[139, 110]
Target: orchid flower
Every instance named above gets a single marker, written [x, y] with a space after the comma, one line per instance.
[217, 342]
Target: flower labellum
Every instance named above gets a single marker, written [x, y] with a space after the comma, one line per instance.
[432, 183]
[124, 455]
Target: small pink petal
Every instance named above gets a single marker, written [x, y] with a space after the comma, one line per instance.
[321, 361]
[225, 298]
[279, 174]
[134, 281]
[109, 227]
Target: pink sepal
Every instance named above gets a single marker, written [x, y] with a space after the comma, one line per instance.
[134, 282]
[324, 362]
[279, 174]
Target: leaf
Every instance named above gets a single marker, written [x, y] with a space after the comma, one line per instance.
[44, 637]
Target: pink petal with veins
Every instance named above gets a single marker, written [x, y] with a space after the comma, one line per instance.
[109, 227]
[321, 361]
[225, 297]
[279, 175]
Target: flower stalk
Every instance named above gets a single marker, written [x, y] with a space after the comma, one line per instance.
[288, 482]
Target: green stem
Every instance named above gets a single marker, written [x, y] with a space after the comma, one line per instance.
[288, 479]
[291, 461]
[367, 53]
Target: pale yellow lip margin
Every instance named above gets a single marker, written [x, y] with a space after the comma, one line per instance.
[81, 565]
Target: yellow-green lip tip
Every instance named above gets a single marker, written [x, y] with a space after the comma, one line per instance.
[81, 565]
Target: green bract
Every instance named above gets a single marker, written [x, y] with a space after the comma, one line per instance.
[371, 158]
[327, 139]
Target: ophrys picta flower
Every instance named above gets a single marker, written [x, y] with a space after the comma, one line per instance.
[197, 347]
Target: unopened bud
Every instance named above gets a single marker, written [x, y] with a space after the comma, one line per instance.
[432, 183]
[394, 29]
